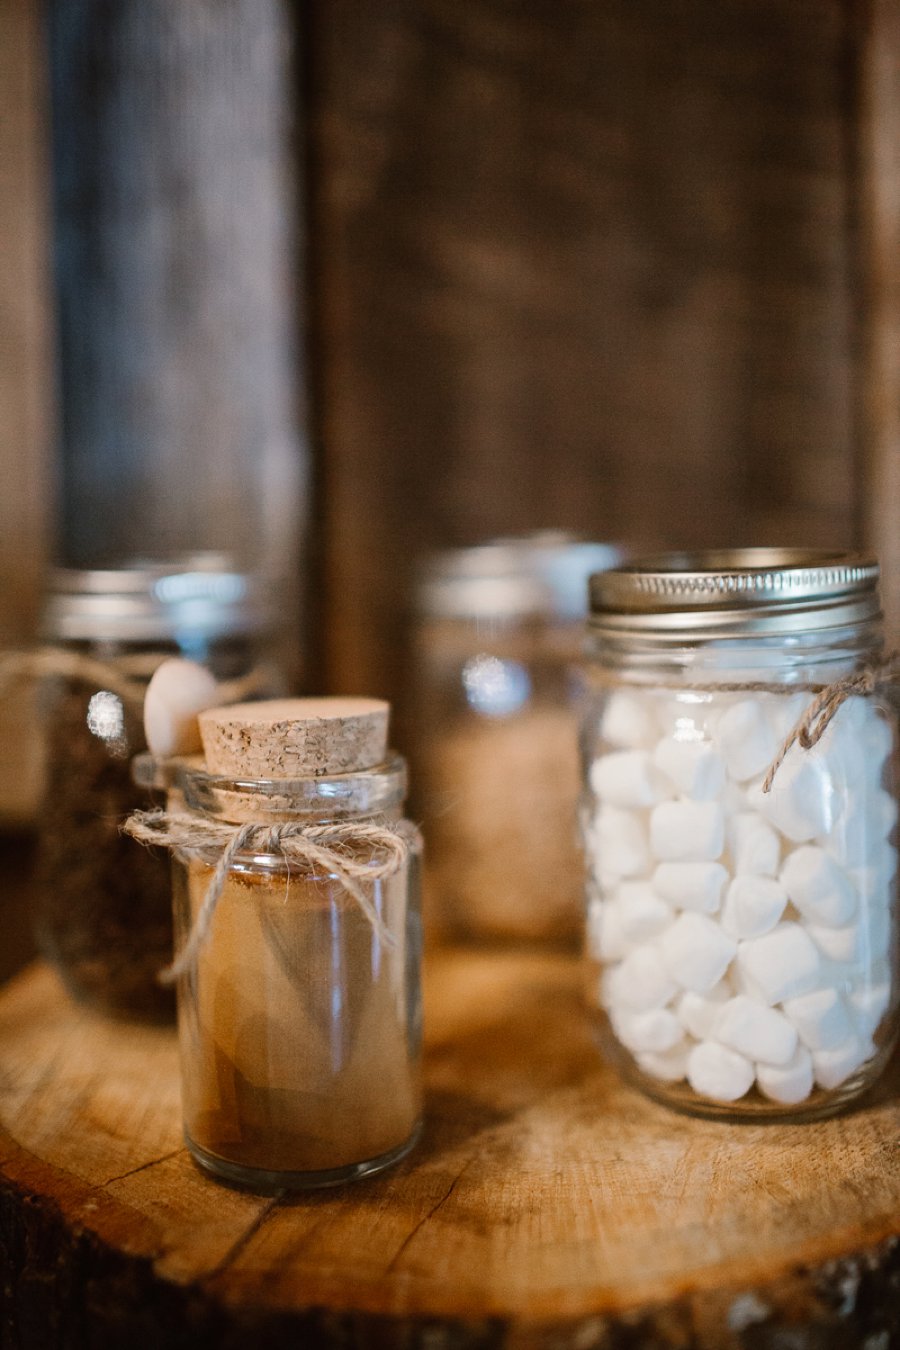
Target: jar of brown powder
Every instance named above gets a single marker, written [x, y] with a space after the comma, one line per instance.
[298, 934]
[498, 641]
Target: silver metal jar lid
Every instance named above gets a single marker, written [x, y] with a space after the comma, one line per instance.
[537, 575]
[735, 593]
[200, 596]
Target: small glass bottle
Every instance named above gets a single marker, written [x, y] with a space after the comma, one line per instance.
[104, 913]
[299, 1011]
[497, 681]
[741, 922]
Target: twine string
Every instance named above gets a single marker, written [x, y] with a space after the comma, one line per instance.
[818, 715]
[114, 675]
[314, 846]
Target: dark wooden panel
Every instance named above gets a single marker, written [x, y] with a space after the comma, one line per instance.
[878, 132]
[580, 265]
[25, 381]
[177, 278]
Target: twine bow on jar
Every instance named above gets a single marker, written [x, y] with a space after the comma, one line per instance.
[322, 847]
[817, 716]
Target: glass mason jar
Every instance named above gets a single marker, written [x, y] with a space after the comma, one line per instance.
[104, 914]
[741, 923]
[299, 1017]
[497, 681]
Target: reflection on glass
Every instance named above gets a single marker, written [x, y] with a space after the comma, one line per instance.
[106, 720]
[495, 687]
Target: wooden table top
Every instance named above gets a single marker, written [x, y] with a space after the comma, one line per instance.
[546, 1198]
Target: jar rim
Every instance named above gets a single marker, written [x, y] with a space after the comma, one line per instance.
[536, 576]
[154, 601]
[735, 592]
[362, 792]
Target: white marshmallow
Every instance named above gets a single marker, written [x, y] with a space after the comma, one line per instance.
[606, 940]
[691, 885]
[877, 740]
[684, 717]
[697, 1013]
[842, 745]
[696, 952]
[787, 1083]
[869, 1004]
[835, 1065]
[621, 848]
[785, 711]
[817, 887]
[178, 690]
[642, 913]
[753, 906]
[717, 1072]
[670, 1066]
[758, 1032]
[874, 882]
[695, 767]
[755, 847]
[841, 945]
[654, 1031]
[874, 934]
[820, 1018]
[604, 982]
[855, 714]
[641, 981]
[860, 943]
[803, 802]
[781, 964]
[858, 838]
[628, 778]
[687, 831]
[747, 739]
[627, 721]
[734, 800]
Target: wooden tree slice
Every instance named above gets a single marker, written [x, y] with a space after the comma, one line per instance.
[548, 1205]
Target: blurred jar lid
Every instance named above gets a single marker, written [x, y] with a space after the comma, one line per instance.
[541, 575]
[201, 595]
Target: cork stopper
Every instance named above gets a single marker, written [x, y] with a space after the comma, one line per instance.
[295, 737]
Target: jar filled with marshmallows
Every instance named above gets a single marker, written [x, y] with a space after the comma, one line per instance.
[739, 826]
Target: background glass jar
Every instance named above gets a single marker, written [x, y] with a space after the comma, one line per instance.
[299, 1019]
[742, 943]
[104, 915]
[497, 682]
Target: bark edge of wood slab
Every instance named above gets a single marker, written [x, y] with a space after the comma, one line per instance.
[549, 1205]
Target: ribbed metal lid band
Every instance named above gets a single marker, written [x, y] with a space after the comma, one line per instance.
[754, 590]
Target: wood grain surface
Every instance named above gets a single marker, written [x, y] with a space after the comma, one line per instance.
[547, 1205]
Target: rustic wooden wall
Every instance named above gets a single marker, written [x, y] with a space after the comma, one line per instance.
[577, 265]
[178, 276]
[26, 384]
[878, 139]
[628, 268]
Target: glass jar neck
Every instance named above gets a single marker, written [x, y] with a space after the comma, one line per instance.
[368, 793]
[818, 656]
